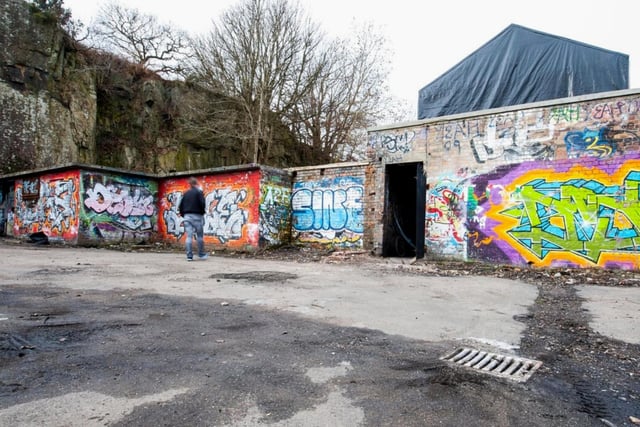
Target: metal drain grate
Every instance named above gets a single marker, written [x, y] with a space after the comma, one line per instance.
[514, 368]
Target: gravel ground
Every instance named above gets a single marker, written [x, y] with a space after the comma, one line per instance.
[226, 364]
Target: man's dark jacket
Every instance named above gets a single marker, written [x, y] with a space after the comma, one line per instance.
[192, 202]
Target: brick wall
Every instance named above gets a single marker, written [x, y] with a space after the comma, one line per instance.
[328, 205]
[547, 185]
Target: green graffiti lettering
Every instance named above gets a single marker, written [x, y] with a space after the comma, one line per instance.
[583, 217]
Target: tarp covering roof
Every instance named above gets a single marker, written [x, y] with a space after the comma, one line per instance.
[521, 65]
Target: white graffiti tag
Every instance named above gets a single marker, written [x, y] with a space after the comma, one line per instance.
[58, 204]
[520, 141]
[172, 218]
[224, 219]
[118, 200]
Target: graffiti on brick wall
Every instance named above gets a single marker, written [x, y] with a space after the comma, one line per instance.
[231, 211]
[603, 142]
[446, 217]
[54, 211]
[614, 111]
[30, 188]
[565, 113]
[503, 138]
[329, 211]
[580, 216]
[454, 134]
[117, 208]
[527, 137]
[395, 142]
[274, 213]
[602, 130]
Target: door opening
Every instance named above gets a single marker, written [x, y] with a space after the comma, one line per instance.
[404, 211]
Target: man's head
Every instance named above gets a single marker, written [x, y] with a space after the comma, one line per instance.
[193, 182]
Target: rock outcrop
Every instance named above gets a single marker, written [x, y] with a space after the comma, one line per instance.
[61, 102]
[47, 106]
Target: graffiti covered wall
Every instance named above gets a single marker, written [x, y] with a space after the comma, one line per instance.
[476, 145]
[275, 208]
[398, 145]
[231, 218]
[328, 209]
[543, 186]
[48, 203]
[445, 223]
[7, 208]
[569, 213]
[117, 208]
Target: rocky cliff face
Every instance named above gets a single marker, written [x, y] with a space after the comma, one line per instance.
[47, 107]
[61, 102]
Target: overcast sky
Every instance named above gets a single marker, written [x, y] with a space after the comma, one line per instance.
[429, 37]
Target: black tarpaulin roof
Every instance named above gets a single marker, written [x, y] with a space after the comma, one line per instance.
[521, 65]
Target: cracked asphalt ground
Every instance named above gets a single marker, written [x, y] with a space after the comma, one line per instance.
[99, 337]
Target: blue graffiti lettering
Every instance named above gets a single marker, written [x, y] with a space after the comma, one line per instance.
[339, 209]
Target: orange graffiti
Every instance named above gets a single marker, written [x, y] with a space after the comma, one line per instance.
[509, 196]
[476, 239]
[232, 211]
[55, 209]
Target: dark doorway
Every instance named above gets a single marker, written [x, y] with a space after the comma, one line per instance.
[403, 234]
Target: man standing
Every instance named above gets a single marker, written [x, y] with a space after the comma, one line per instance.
[191, 209]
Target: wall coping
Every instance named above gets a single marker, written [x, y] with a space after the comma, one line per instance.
[507, 109]
[235, 168]
[83, 166]
[327, 166]
[97, 168]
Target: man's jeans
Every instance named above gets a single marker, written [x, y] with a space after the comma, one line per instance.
[194, 224]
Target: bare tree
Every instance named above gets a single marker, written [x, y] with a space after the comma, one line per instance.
[261, 53]
[349, 95]
[139, 38]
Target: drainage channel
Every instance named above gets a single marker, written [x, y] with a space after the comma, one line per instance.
[510, 367]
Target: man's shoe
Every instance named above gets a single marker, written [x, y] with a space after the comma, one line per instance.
[189, 259]
[203, 257]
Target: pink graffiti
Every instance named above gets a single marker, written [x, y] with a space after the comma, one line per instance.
[119, 201]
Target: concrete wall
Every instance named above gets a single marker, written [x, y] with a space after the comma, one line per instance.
[328, 205]
[549, 184]
[117, 208]
[85, 207]
[48, 203]
[232, 213]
